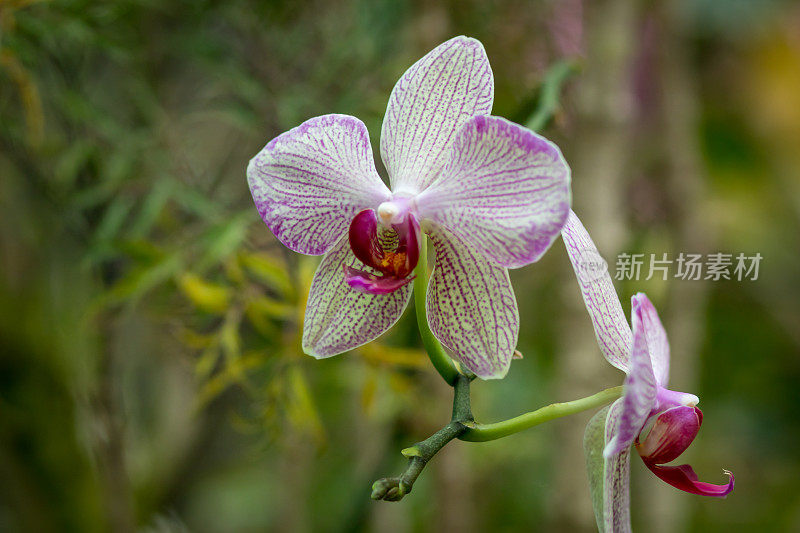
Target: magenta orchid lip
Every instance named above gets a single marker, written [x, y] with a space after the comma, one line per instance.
[390, 249]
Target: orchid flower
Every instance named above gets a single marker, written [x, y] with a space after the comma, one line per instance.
[659, 422]
[491, 195]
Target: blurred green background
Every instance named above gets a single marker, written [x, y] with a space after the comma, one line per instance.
[150, 371]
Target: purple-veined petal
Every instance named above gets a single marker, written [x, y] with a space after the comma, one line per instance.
[608, 476]
[672, 432]
[340, 318]
[309, 182]
[471, 307]
[641, 389]
[656, 339]
[602, 303]
[504, 189]
[684, 478]
[428, 105]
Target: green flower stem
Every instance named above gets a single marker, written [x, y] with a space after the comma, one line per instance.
[394, 488]
[484, 432]
[441, 361]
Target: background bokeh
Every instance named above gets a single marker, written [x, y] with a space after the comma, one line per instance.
[150, 371]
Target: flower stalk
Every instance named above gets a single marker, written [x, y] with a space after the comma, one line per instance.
[439, 358]
[486, 432]
[394, 488]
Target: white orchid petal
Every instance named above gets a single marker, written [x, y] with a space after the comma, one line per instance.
[505, 190]
[310, 182]
[339, 318]
[428, 105]
[610, 326]
[471, 307]
[656, 339]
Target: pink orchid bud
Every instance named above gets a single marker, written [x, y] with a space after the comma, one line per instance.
[672, 432]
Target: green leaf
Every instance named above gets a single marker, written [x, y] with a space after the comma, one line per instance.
[151, 209]
[113, 219]
[224, 239]
[548, 103]
[72, 160]
[594, 440]
[608, 478]
[142, 279]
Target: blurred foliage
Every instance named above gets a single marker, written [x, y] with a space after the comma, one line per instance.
[151, 376]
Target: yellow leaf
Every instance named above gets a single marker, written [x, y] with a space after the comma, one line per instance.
[270, 308]
[270, 271]
[392, 355]
[206, 296]
[301, 411]
[368, 392]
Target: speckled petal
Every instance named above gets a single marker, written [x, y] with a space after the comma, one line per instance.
[310, 182]
[610, 326]
[340, 318]
[505, 190]
[656, 339]
[641, 389]
[428, 105]
[471, 307]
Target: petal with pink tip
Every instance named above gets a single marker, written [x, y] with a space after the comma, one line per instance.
[471, 307]
[505, 190]
[310, 182]
[610, 326]
[641, 390]
[684, 478]
[339, 318]
[656, 339]
[428, 105]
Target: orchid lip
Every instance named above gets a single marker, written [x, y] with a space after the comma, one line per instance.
[392, 250]
[370, 283]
